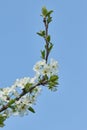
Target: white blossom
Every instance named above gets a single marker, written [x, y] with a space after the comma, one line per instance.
[39, 66]
[23, 81]
[53, 67]
[46, 70]
[42, 68]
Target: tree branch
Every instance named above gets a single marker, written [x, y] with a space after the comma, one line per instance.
[42, 82]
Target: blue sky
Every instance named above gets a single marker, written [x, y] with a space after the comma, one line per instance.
[20, 48]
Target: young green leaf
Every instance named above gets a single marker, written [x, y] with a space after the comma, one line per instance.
[31, 109]
[27, 87]
[49, 13]
[41, 33]
[52, 85]
[11, 102]
[48, 38]
[50, 47]
[53, 78]
[43, 54]
[44, 11]
[2, 119]
[53, 82]
[49, 19]
[2, 124]
[13, 107]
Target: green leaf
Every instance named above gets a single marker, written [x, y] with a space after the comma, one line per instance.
[31, 109]
[52, 86]
[49, 19]
[27, 87]
[41, 33]
[53, 78]
[48, 38]
[44, 11]
[53, 82]
[2, 119]
[11, 102]
[13, 107]
[49, 13]
[43, 54]
[2, 124]
[50, 47]
[45, 77]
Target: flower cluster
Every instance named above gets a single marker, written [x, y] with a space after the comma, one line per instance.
[42, 68]
[14, 90]
[21, 106]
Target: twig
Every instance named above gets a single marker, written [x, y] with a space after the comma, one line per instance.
[43, 82]
[46, 34]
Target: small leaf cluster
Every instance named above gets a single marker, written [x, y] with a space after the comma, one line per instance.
[47, 47]
[11, 102]
[27, 87]
[46, 14]
[2, 119]
[41, 33]
[31, 109]
[53, 82]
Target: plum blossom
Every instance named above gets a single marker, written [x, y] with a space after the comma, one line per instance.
[42, 68]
